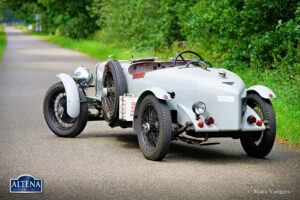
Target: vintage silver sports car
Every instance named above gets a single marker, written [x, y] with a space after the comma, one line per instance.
[180, 99]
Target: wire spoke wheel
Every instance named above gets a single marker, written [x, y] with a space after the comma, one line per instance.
[58, 111]
[259, 144]
[154, 127]
[150, 127]
[259, 137]
[256, 137]
[56, 116]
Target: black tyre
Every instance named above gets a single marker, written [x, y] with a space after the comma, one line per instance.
[114, 81]
[154, 128]
[55, 112]
[259, 144]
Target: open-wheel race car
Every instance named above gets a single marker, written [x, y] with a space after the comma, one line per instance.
[181, 99]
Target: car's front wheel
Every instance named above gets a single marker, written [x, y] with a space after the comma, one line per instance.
[154, 128]
[259, 144]
[56, 116]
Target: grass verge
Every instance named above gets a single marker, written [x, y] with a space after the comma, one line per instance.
[2, 42]
[90, 47]
[284, 82]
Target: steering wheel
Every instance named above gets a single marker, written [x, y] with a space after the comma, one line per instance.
[184, 61]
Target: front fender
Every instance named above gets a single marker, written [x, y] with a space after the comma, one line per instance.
[157, 92]
[263, 91]
[73, 102]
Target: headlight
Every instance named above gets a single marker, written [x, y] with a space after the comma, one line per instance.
[83, 76]
[199, 108]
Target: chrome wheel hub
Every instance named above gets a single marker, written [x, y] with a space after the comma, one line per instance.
[59, 110]
[146, 127]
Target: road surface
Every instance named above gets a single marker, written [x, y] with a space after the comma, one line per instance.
[106, 163]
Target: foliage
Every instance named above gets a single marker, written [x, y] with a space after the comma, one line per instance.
[1, 10]
[68, 18]
[243, 32]
[246, 30]
[139, 23]
[19, 11]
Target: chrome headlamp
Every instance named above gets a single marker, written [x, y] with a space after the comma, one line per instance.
[199, 108]
[83, 76]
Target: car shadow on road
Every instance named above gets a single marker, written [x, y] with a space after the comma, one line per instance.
[128, 139]
[186, 152]
[180, 150]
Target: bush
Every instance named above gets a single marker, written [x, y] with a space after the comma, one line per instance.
[244, 30]
[239, 33]
[68, 18]
[277, 44]
[139, 23]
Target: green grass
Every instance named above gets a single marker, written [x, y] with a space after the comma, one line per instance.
[93, 48]
[2, 42]
[284, 82]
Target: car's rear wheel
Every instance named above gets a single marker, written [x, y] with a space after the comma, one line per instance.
[154, 128]
[56, 116]
[259, 144]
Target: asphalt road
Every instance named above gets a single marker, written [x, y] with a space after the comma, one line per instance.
[106, 163]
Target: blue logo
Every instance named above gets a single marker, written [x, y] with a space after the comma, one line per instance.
[26, 184]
